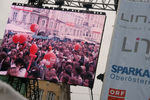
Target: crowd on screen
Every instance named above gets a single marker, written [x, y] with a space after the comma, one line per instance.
[72, 66]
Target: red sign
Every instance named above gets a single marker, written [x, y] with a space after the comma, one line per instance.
[116, 94]
[115, 98]
[21, 9]
[96, 32]
[70, 24]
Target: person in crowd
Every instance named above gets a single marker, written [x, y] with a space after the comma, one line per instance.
[64, 78]
[3, 56]
[78, 73]
[51, 75]
[34, 73]
[18, 69]
[73, 81]
[5, 64]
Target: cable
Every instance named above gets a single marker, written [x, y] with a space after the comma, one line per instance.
[91, 93]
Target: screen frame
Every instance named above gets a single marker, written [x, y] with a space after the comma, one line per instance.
[76, 11]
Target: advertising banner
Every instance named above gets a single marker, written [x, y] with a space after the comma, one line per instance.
[127, 75]
[54, 45]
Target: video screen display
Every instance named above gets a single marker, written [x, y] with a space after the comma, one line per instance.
[54, 45]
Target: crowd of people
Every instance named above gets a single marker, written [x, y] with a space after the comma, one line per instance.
[75, 67]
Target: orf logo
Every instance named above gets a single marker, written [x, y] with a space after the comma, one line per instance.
[116, 94]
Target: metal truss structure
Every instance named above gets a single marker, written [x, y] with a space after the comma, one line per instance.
[96, 4]
[110, 5]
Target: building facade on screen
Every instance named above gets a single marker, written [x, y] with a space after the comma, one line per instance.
[59, 23]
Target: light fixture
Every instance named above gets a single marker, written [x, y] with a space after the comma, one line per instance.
[59, 2]
[100, 77]
[87, 5]
[31, 2]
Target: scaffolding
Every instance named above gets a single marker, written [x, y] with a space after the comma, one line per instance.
[109, 5]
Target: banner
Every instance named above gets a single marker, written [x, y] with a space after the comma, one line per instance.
[127, 75]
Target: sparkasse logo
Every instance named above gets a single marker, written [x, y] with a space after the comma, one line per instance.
[116, 94]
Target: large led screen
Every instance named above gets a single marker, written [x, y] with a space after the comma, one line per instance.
[53, 45]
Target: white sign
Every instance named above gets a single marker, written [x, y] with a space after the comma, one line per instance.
[127, 75]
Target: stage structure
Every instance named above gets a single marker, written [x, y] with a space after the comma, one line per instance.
[109, 5]
[37, 31]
